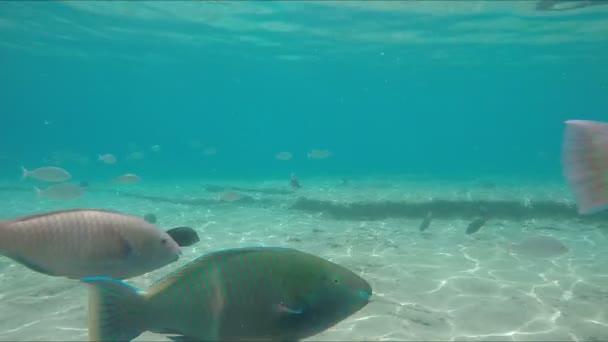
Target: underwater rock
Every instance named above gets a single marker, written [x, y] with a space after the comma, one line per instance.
[540, 246]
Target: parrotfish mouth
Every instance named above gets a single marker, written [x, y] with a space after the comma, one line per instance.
[365, 295]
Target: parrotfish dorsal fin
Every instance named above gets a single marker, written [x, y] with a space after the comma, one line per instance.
[58, 212]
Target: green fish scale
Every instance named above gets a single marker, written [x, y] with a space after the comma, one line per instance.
[251, 275]
[241, 272]
[231, 283]
[245, 277]
[232, 287]
[198, 280]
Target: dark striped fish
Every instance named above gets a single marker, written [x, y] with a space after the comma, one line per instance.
[184, 236]
[426, 223]
[475, 225]
[252, 294]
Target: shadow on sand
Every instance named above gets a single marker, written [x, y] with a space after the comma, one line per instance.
[447, 209]
[444, 209]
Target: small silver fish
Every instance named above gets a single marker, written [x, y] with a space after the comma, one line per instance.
[230, 196]
[138, 155]
[284, 156]
[129, 178]
[60, 192]
[319, 154]
[85, 243]
[46, 174]
[210, 151]
[107, 158]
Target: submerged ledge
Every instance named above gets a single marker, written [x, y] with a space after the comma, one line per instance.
[445, 209]
[378, 210]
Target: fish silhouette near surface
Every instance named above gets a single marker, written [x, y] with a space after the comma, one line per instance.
[84, 243]
[244, 294]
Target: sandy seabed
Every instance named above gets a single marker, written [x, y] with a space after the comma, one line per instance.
[438, 285]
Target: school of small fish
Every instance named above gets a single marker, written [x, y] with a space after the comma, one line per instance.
[65, 191]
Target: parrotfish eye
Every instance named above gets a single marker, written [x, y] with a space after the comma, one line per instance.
[334, 280]
[163, 241]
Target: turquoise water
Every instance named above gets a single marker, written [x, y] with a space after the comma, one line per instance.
[418, 100]
[390, 87]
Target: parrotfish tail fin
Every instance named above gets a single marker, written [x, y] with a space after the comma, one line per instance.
[24, 173]
[585, 163]
[116, 310]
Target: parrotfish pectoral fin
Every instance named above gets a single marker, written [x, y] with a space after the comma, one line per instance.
[585, 163]
[127, 248]
[120, 249]
[116, 310]
[286, 309]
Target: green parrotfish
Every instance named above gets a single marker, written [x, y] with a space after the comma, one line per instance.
[252, 294]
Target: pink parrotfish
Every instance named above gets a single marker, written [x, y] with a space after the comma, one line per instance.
[85, 243]
[585, 163]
